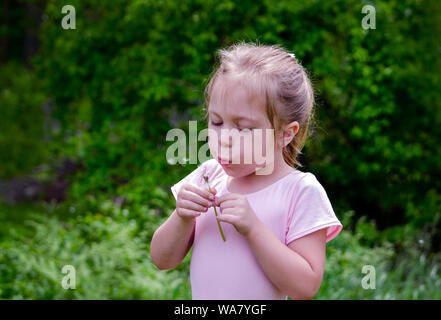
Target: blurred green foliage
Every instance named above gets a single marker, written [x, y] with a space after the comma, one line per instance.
[21, 118]
[122, 74]
[132, 70]
[409, 273]
[109, 250]
[110, 257]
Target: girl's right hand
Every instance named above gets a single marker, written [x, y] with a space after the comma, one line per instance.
[193, 200]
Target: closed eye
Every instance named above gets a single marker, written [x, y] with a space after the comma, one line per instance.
[240, 129]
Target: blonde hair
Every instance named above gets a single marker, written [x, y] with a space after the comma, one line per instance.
[278, 80]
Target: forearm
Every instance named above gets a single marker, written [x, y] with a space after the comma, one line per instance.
[285, 268]
[170, 241]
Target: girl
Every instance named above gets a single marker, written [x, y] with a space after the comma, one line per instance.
[276, 224]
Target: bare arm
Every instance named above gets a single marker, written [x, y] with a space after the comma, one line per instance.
[296, 269]
[172, 241]
[174, 238]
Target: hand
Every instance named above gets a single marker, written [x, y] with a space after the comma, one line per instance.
[192, 201]
[235, 209]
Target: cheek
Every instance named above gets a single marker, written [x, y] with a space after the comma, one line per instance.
[258, 143]
[240, 147]
[263, 146]
[244, 149]
[213, 141]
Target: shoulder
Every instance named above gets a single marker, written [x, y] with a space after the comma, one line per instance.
[307, 180]
[310, 209]
[210, 164]
[307, 185]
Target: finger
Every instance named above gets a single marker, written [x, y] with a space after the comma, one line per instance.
[196, 198]
[183, 212]
[187, 204]
[227, 218]
[228, 204]
[225, 197]
[229, 211]
[201, 192]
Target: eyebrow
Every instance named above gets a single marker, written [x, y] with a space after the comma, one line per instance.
[236, 117]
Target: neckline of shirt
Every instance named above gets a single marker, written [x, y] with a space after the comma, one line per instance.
[263, 189]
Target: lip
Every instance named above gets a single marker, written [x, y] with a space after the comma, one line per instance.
[224, 163]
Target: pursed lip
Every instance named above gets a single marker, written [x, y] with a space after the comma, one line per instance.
[223, 162]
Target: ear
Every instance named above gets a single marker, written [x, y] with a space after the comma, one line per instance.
[288, 133]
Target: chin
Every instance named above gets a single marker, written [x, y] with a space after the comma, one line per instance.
[238, 172]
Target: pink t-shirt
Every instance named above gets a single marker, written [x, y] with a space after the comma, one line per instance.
[291, 208]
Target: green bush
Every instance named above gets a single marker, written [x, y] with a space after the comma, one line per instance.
[132, 70]
[110, 252]
[110, 258]
[120, 78]
[22, 135]
[411, 273]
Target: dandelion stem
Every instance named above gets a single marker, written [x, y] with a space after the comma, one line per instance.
[215, 211]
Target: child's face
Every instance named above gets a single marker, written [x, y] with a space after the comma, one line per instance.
[247, 144]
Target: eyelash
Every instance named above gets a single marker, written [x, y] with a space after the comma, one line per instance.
[240, 129]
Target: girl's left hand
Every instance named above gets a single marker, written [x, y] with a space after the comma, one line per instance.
[235, 209]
